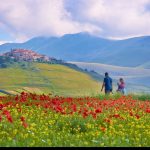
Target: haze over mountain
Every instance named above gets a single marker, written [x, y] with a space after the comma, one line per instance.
[83, 47]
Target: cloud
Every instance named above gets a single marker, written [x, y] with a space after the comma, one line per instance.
[107, 18]
[28, 18]
[117, 18]
[3, 42]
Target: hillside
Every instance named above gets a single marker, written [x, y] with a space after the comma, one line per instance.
[47, 78]
[145, 65]
[137, 79]
[83, 47]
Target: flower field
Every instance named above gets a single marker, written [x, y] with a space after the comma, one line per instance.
[43, 120]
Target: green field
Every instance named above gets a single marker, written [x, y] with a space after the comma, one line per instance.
[47, 78]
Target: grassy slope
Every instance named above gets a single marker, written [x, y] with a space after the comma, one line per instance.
[56, 79]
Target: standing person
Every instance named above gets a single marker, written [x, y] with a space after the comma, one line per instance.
[107, 83]
[121, 86]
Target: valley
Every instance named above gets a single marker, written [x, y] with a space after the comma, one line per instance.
[137, 78]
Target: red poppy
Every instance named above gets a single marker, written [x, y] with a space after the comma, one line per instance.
[131, 113]
[148, 110]
[1, 106]
[116, 115]
[94, 115]
[74, 107]
[98, 110]
[137, 116]
[103, 129]
[22, 118]
[107, 120]
[25, 124]
[85, 114]
[9, 118]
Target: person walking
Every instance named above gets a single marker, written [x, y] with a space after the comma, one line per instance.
[121, 86]
[107, 83]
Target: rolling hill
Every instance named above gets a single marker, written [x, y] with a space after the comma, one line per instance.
[47, 78]
[83, 47]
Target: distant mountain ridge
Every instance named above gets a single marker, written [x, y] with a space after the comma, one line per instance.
[83, 47]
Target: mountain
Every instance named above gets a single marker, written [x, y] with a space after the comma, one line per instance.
[83, 47]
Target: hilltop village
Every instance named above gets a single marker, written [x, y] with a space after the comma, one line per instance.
[27, 55]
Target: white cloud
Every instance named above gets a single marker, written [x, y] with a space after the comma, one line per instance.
[118, 17]
[28, 18]
[108, 18]
[3, 42]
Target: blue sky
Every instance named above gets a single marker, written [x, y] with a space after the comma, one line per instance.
[21, 20]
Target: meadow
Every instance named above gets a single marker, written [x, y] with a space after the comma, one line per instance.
[33, 120]
[47, 78]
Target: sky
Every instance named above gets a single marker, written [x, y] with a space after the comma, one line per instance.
[21, 20]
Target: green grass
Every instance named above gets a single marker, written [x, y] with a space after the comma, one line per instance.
[47, 78]
[140, 96]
